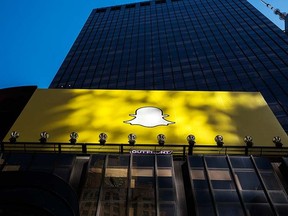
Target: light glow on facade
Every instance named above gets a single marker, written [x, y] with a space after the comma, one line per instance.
[203, 114]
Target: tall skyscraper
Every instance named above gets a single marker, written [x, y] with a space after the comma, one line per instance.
[201, 45]
[216, 45]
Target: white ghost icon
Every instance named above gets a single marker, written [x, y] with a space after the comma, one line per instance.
[149, 117]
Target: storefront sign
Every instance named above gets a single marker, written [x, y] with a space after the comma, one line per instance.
[164, 152]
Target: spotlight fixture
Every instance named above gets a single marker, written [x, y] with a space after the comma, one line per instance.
[191, 139]
[102, 138]
[249, 141]
[43, 137]
[13, 136]
[219, 140]
[73, 137]
[277, 141]
[161, 139]
[132, 139]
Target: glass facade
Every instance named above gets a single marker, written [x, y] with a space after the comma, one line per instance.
[213, 45]
[129, 185]
[235, 186]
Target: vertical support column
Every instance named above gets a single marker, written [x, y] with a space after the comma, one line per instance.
[264, 186]
[156, 186]
[237, 185]
[190, 150]
[210, 186]
[246, 150]
[101, 187]
[84, 148]
[128, 198]
[184, 153]
[121, 149]
[59, 148]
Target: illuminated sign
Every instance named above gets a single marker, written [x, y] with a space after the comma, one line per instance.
[175, 114]
[149, 117]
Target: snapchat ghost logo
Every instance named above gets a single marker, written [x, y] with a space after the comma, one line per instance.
[149, 117]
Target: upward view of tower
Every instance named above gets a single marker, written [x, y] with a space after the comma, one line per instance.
[211, 45]
[199, 46]
[181, 45]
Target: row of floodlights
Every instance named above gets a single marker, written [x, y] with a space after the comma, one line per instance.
[132, 139]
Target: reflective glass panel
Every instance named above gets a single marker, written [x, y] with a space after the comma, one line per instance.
[112, 208]
[259, 209]
[248, 180]
[270, 181]
[167, 209]
[241, 162]
[166, 195]
[229, 209]
[254, 197]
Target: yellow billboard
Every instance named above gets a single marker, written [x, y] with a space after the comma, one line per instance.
[146, 114]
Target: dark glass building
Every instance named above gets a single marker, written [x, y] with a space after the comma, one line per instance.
[206, 45]
[183, 45]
